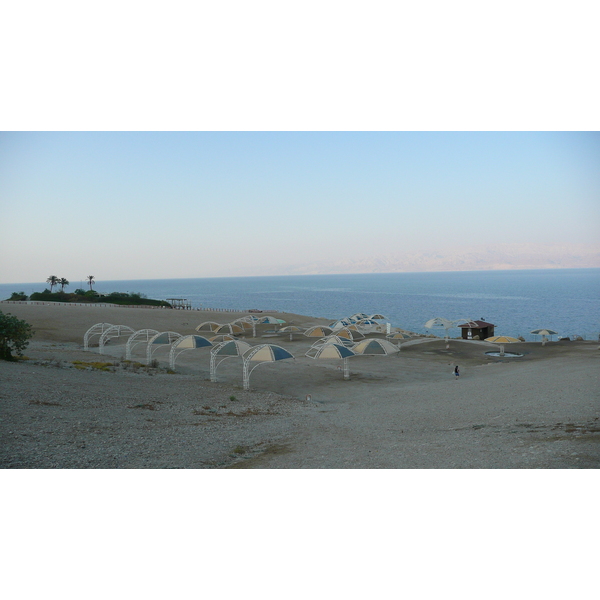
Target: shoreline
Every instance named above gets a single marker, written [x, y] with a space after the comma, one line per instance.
[403, 411]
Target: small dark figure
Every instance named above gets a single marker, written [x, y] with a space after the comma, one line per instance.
[456, 373]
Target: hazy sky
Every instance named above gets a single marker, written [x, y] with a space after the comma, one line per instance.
[158, 205]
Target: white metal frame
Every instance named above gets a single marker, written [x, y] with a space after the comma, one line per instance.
[173, 354]
[247, 358]
[214, 353]
[172, 336]
[113, 332]
[139, 337]
[97, 329]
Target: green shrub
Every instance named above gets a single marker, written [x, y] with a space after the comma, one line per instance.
[14, 336]
[18, 296]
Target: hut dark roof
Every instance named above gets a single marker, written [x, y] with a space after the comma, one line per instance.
[476, 325]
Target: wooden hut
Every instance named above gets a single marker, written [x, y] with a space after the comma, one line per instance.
[477, 330]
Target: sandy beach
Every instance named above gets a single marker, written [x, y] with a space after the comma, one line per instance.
[405, 411]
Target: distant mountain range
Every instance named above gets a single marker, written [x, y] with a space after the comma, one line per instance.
[488, 258]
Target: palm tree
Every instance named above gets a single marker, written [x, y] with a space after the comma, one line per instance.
[62, 281]
[52, 280]
[91, 281]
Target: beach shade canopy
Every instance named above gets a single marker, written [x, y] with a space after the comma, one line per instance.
[502, 340]
[97, 329]
[439, 322]
[271, 320]
[217, 339]
[243, 323]
[248, 322]
[160, 340]
[544, 333]
[375, 347]
[208, 326]
[113, 332]
[187, 342]
[139, 337]
[223, 351]
[230, 328]
[332, 351]
[262, 354]
[349, 334]
[291, 329]
[359, 316]
[339, 324]
[333, 339]
[318, 331]
[398, 335]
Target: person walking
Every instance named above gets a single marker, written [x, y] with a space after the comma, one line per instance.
[456, 373]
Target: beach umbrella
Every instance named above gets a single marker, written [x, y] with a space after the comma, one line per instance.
[208, 326]
[291, 329]
[318, 331]
[333, 351]
[223, 351]
[502, 340]
[544, 333]
[262, 354]
[378, 317]
[187, 342]
[374, 347]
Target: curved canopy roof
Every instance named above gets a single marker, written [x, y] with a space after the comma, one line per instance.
[189, 342]
[267, 353]
[165, 337]
[331, 351]
[439, 322]
[291, 329]
[229, 328]
[271, 320]
[231, 348]
[502, 339]
[374, 347]
[208, 326]
[398, 335]
[318, 331]
[217, 339]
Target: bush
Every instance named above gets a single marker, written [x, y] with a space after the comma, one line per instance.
[14, 334]
[19, 296]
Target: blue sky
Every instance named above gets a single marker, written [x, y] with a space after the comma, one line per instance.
[154, 205]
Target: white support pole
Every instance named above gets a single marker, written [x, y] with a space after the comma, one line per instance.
[213, 368]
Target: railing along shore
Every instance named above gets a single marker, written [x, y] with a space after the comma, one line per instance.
[110, 305]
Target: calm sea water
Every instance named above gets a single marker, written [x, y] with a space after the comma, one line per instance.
[566, 300]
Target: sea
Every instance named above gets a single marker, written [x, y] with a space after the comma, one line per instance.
[516, 302]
